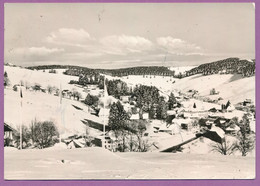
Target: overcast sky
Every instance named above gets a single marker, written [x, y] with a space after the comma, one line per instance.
[123, 35]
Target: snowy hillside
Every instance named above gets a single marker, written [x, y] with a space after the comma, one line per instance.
[44, 106]
[17, 74]
[230, 87]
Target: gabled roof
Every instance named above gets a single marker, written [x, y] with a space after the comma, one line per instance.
[233, 128]
[221, 120]
[8, 127]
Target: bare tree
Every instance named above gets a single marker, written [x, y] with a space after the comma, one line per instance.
[224, 148]
[25, 137]
[45, 133]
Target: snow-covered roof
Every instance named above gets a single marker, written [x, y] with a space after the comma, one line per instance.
[145, 116]
[235, 128]
[172, 128]
[104, 112]
[171, 112]
[134, 116]
[218, 130]
[181, 121]
[231, 108]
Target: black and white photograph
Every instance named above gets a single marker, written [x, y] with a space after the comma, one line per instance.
[137, 91]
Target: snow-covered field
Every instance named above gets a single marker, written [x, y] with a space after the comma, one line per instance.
[98, 163]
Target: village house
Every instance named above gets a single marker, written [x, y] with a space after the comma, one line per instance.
[105, 142]
[230, 108]
[44, 90]
[185, 124]
[232, 129]
[191, 115]
[145, 115]
[247, 102]
[66, 93]
[125, 99]
[8, 135]
[221, 122]
[209, 123]
[222, 71]
[227, 125]
[75, 143]
[213, 109]
[16, 86]
[213, 92]
[135, 117]
[92, 87]
[171, 112]
[170, 129]
[104, 114]
[37, 87]
[164, 129]
[127, 107]
[250, 116]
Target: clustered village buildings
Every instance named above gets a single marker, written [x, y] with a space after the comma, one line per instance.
[184, 116]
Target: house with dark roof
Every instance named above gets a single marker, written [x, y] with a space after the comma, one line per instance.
[105, 142]
[8, 135]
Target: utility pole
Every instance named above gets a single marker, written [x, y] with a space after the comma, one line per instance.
[60, 112]
[105, 92]
[21, 117]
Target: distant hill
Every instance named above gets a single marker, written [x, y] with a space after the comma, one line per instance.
[77, 70]
[225, 66]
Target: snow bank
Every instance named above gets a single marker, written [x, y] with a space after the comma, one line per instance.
[98, 163]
